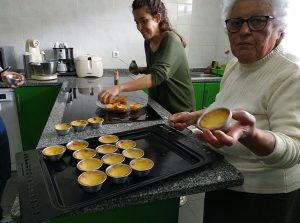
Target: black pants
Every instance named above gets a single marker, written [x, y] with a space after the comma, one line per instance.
[5, 171]
[226, 206]
[2, 187]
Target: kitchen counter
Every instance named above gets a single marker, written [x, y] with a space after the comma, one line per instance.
[217, 175]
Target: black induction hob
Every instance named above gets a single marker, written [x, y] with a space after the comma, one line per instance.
[81, 104]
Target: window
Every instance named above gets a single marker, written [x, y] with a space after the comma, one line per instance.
[291, 41]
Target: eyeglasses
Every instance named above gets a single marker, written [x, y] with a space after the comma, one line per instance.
[255, 23]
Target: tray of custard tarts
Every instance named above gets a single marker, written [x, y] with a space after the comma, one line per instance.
[78, 125]
[106, 166]
[123, 103]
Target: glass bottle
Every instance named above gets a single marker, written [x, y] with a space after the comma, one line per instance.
[116, 77]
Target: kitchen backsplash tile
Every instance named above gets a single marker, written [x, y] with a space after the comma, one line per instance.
[100, 26]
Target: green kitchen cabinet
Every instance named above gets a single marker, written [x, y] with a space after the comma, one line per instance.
[34, 106]
[210, 92]
[165, 211]
[198, 92]
[205, 93]
[146, 90]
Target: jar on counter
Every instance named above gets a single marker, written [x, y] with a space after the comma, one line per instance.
[116, 77]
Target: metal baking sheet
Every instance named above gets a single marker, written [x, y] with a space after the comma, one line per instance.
[172, 152]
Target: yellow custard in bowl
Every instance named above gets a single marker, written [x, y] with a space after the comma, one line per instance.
[108, 139]
[62, 126]
[95, 120]
[84, 153]
[53, 150]
[113, 158]
[141, 164]
[89, 164]
[126, 144]
[216, 119]
[92, 178]
[133, 153]
[77, 144]
[118, 170]
[79, 123]
[106, 149]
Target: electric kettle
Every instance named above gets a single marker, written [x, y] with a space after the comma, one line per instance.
[88, 65]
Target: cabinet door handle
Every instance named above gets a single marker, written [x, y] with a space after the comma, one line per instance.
[18, 105]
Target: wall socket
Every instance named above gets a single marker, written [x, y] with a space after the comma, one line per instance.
[115, 54]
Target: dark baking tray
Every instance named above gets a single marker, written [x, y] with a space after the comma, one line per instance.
[172, 152]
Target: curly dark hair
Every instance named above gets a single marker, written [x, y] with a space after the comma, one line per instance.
[154, 7]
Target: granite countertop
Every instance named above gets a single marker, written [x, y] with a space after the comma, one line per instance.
[217, 175]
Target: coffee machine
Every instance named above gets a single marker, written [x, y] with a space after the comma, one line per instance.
[64, 55]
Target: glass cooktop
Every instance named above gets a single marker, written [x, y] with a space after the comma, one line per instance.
[81, 104]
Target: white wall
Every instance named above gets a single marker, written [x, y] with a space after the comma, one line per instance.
[100, 26]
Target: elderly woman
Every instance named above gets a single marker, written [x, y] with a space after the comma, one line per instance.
[262, 87]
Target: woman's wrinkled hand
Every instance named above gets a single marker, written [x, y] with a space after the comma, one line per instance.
[20, 76]
[242, 128]
[106, 94]
[182, 120]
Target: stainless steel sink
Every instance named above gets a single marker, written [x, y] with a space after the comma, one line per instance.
[201, 74]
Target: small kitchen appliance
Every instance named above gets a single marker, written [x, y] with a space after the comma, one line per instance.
[35, 64]
[64, 55]
[89, 65]
[46, 70]
[33, 47]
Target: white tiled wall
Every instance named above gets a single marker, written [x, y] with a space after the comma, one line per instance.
[100, 26]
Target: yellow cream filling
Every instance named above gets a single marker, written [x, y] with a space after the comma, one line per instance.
[63, 126]
[95, 120]
[87, 165]
[106, 149]
[112, 159]
[108, 139]
[77, 145]
[142, 165]
[214, 119]
[79, 123]
[133, 153]
[92, 178]
[119, 171]
[53, 150]
[126, 144]
[85, 153]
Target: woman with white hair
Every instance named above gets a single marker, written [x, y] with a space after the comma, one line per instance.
[261, 86]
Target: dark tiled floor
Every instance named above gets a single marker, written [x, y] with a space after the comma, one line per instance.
[9, 194]
[191, 212]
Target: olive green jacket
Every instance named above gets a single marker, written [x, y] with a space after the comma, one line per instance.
[171, 82]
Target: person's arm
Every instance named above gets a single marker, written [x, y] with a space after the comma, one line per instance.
[106, 94]
[138, 84]
[138, 70]
[244, 130]
[1, 69]
[182, 120]
[18, 75]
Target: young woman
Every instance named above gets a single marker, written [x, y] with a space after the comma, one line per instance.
[167, 72]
